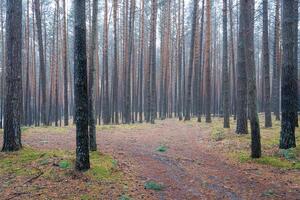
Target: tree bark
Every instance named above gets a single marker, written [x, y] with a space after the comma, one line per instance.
[92, 83]
[289, 74]
[65, 66]
[251, 78]
[225, 71]
[80, 89]
[207, 63]
[42, 62]
[241, 104]
[13, 100]
[266, 64]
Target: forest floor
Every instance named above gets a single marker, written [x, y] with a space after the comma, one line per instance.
[166, 161]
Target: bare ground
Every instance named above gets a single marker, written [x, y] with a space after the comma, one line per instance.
[193, 167]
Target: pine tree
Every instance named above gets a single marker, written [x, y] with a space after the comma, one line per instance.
[92, 79]
[80, 80]
[13, 100]
[289, 74]
[266, 65]
[42, 62]
[225, 71]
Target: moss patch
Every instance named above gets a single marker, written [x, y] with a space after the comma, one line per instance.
[103, 167]
[273, 161]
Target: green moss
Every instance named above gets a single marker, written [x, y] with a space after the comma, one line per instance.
[85, 197]
[162, 148]
[15, 162]
[102, 167]
[274, 161]
[151, 185]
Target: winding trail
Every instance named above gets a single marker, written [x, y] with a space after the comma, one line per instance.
[191, 168]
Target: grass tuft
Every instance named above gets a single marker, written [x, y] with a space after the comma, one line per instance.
[124, 197]
[151, 185]
[64, 164]
[162, 148]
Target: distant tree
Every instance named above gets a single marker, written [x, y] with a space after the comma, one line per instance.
[233, 62]
[152, 57]
[80, 89]
[13, 100]
[191, 62]
[276, 65]
[207, 62]
[179, 57]
[42, 61]
[65, 66]
[106, 113]
[241, 104]
[115, 111]
[92, 79]
[266, 65]
[289, 74]
[225, 71]
[251, 77]
[141, 60]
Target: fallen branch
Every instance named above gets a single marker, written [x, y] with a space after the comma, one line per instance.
[35, 177]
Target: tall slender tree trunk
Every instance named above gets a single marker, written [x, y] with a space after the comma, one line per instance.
[191, 62]
[42, 62]
[106, 113]
[81, 92]
[266, 64]
[2, 65]
[241, 104]
[225, 71]
[65, 66]
[276, 65]
[251, 78]
[115, 108]
[233, 63]
[152, 57]
[289, 74]
[13, 100]
[207, 62]
[141, 61]
[92, 79]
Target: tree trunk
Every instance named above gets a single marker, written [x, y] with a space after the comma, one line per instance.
[266, 64]
[42, 62]
[13, 100]
[251, 78]
[65, 66]
[152, 57]
[241, 104]
[276, 66]
[225, 71]
[115, 112]
[289, 74]
[106, 114]
[191, 62]
[92, 83]
[80, 80]
[207, 62]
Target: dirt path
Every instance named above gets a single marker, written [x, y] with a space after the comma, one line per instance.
[189, 169]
